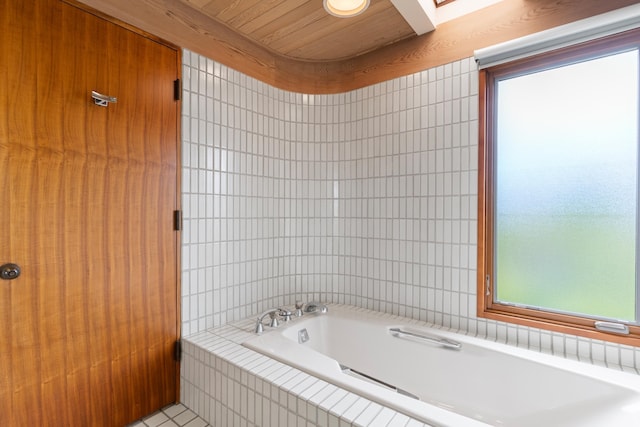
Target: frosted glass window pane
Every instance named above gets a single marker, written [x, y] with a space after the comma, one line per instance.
[566, 174]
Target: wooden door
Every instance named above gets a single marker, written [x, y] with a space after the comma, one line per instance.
[86, 209]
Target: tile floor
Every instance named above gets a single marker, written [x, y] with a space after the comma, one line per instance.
[176, 415]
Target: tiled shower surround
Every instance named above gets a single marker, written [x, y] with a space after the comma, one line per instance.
[366, 198]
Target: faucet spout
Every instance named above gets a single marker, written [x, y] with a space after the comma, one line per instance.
[273, 316]
[274, 321]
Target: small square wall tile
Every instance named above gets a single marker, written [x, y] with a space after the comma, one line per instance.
[383, 418]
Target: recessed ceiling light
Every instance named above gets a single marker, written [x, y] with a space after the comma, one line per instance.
[345, 8]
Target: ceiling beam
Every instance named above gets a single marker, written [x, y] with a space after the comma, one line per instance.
[419, 14]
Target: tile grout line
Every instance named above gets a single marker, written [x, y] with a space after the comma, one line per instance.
[171, 416]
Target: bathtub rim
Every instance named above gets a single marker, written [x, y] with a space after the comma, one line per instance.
[441, 416]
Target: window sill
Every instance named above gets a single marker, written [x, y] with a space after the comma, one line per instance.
[577, 326]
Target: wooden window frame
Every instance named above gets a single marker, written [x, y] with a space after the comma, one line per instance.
[486, 306]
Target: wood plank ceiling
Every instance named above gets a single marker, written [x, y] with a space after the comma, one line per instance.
[303, 30]
[185, 23]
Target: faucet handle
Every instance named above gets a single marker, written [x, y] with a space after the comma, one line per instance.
[273, 315]
[285, 314]
[259, 328]
[299, 305]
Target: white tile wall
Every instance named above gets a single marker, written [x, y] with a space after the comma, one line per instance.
[365, 198]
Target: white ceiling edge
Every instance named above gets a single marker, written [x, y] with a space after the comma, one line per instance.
[423, 16]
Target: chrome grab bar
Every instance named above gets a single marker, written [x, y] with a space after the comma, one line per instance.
[357, 374]
[432, 339]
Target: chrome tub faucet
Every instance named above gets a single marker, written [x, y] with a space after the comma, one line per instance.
[273, 315]
[316, 307]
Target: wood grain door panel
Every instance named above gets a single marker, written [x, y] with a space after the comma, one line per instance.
[88, 195]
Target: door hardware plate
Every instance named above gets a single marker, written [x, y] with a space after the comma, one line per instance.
[9, 271]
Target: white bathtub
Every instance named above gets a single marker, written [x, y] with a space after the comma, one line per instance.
[481, 384]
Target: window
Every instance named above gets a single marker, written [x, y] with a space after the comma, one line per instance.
[558, 190]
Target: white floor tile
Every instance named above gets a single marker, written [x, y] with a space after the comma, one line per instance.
[184, 417]
[196, 422]
[173, 411]
[155, 420]
[175, 415]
